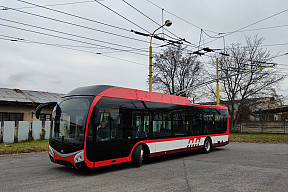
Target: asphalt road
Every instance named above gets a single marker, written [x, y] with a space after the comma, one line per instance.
[235, 167]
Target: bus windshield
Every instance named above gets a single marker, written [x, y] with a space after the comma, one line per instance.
[69, 120]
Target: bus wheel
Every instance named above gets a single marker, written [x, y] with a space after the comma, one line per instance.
[138, 156]
[207, 145]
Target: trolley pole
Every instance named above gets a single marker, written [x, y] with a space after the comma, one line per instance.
[217, 84]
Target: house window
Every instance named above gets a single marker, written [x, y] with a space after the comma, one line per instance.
[45, 117]
[11, 117]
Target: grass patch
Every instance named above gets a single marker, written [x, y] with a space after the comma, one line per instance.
[258, 138]
[24, 147]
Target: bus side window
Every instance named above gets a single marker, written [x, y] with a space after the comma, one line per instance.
[103, 130]
[140, 124]
[116, 128]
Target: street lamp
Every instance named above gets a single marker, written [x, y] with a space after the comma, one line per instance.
[167, 23]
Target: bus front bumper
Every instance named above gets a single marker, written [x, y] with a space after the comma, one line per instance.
[74, 160]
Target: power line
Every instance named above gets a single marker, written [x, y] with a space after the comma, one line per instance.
[229, 33]
[73, 35]
[240, 29]
[41, 43]
[243, 47]
[74, 46]
[69, 39]
[180, 17]
[77, 25]
[267, 45]
[257, 22]
[190, 44]
[272, 27]
[149, 18]
[76, 16]
[52, 5]
[122, 16]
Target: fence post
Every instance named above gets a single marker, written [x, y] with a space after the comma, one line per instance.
[241, 128]
[262, 125]
[23, 131]
[47, 129]
[285, 126]
[0, 131]
[36, 129]
[9, 132]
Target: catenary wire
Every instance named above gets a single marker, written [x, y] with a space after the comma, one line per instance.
[149, 18]
[122, 16]
[229, 33]
[74, 46]
[76, 16]
[272, 27]
[69, 39]
[180, 17]
[77, 25]
[73, 35]
[23, 40]
[52, 5]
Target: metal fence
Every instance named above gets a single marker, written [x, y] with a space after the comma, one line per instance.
[261, 127]
[10, 132]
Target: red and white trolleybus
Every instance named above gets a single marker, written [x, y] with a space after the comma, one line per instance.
[103, 125]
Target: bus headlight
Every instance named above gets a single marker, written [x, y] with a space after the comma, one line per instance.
[79, 157]
[51, 151]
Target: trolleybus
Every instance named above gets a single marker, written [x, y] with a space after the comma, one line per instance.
[102, 125]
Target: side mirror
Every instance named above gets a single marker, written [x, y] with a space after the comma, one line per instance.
[43, 105]
[96, 116]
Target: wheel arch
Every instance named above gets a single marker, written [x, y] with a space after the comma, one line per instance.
[146, 149]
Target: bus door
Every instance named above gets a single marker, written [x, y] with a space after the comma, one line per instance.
[111, 138]
[141, 125]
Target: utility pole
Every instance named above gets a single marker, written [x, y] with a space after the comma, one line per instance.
[217, 84]
[167, 23]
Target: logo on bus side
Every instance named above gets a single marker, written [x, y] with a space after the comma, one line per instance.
[193, 142]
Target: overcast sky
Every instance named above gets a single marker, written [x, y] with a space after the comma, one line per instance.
[55, 56]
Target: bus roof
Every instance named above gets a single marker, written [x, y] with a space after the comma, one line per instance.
[133, 94]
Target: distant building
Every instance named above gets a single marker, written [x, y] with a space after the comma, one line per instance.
[19, 105]
[278, 113]
[257, 109]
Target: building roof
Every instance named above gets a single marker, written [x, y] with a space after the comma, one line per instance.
[280, 109]
[27, 96]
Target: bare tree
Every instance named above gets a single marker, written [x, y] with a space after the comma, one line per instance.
[176, 72]
[244, 76]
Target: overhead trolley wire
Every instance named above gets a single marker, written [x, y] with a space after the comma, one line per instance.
[180, 17]
[77, 25]
[28, 41]
[257, 22]
[149, 18]
[69, 39]
[229, 33]
[130, 20]
[122, 16]
[63, 45]
[52, 5]
[272, 27]
[69, 34]
[76, 16]
[241, 29]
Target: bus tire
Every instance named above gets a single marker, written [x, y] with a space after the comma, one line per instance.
[207, 145]
[146, 155]
[138, 155]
